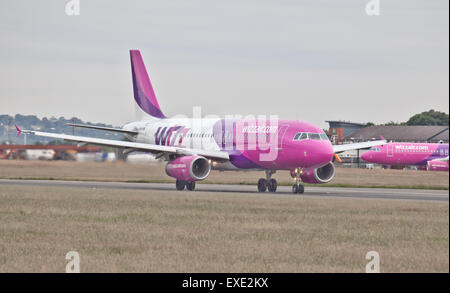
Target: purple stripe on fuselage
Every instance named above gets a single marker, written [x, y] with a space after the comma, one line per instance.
[239, 160]
[440, 152]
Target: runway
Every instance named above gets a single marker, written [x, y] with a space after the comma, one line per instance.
[368, 193]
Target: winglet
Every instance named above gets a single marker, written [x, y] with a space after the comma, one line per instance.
[382, 138]
[19, 131]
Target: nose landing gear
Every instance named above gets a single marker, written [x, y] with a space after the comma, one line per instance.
[297, 187]
[269, 183]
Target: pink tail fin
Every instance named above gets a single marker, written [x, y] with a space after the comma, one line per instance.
[18, 130]
[144, 94]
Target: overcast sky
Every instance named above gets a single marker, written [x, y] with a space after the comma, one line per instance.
[310, 60]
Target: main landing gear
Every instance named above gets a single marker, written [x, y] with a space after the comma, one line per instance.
[181, 184]
[269, 183]
[297, 187]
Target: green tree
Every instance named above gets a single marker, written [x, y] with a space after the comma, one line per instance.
[393, 123]
[430, 117]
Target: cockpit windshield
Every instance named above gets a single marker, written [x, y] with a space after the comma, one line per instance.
[310, 135]
[314, 136]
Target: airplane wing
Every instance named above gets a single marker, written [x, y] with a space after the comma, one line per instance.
[144, 147]
[441, 159]
[102, 128]
[339, 148]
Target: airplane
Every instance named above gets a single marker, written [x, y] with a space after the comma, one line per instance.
[194, 146]
[427, 156]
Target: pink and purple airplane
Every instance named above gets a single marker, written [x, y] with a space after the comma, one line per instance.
[194, 146]
[427, 156]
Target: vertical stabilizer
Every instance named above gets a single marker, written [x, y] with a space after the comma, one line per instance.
[143, 91]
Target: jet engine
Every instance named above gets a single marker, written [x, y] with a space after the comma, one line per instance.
[437, 166]
[189, 168]
[319, 175]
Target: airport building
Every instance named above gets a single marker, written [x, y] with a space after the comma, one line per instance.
[46, 152]
[400, 134]
[340, 129]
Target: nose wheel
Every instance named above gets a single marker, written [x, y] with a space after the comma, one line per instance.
[269, 183]
[297, 188]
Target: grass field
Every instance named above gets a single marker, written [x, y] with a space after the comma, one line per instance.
[120, 171]
[169, 231]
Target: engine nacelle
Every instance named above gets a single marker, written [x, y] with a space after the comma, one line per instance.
[319, 175]
[189, 168]
[437, 166]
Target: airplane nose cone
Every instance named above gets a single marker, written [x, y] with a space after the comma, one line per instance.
[329, 153]
[325, 153]
[366, 156]
[315, 154]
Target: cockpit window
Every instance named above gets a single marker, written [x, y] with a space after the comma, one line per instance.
[323, 136]
[375, 149]
[314, 136]
[308, 135]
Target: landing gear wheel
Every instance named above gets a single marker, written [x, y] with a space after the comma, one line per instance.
[262, 185]
[190, 185]
[272, 185]
[298, 188]
[180, 184]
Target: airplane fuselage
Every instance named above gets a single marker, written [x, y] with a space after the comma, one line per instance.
[405, 154]
[273, 145]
